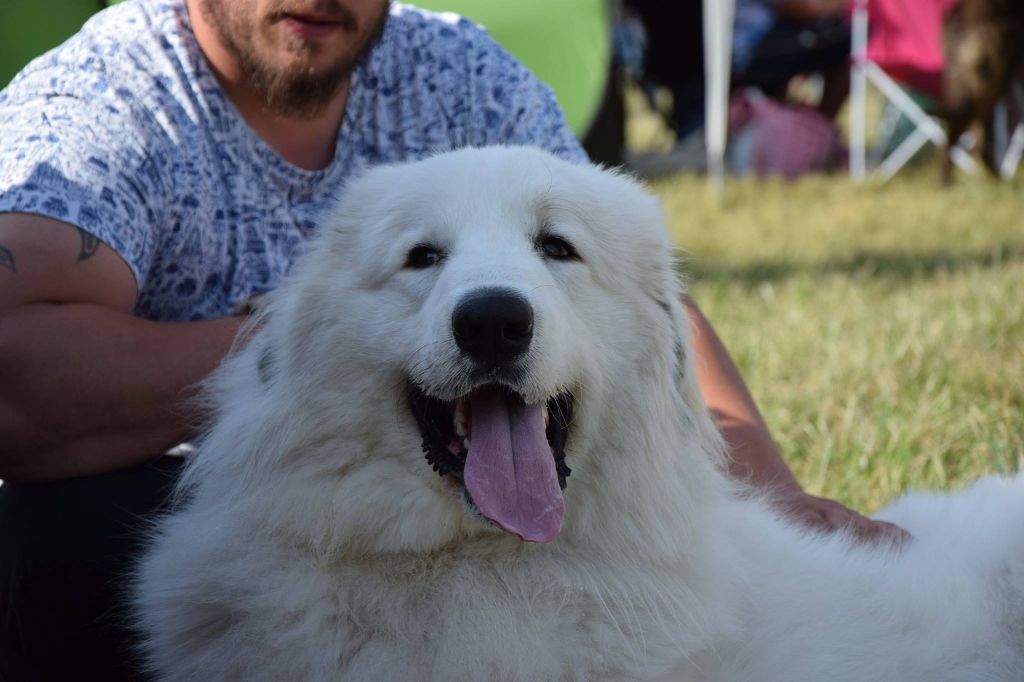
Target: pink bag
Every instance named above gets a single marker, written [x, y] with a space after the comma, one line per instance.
[770, 138]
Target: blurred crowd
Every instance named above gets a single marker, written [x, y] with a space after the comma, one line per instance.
[791, 66]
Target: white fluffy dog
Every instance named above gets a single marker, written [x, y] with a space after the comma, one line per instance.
[466, 443]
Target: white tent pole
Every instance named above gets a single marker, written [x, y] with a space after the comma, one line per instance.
[858, 91]
[718, 19]
[1008, 167]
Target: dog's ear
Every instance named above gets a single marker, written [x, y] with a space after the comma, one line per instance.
[670, 299]
[682, 365]
[684, 370]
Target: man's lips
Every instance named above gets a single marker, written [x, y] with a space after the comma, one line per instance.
[311, 27]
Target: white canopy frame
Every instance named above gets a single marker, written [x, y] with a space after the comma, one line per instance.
[927, 128]
[718, 21]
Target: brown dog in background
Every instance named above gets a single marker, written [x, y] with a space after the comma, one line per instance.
[983, 42]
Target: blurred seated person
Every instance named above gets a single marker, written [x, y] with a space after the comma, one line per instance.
[674, 57]
[775, 40]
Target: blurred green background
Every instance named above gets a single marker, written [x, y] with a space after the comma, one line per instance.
[30, 27]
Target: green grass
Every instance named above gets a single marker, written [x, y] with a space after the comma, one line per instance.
[880, 327]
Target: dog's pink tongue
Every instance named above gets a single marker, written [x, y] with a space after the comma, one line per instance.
[510, 473]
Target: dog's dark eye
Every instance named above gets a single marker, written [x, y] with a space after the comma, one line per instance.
[557, 248]
[423, 256]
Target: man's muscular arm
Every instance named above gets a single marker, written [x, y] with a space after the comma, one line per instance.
[85, 386]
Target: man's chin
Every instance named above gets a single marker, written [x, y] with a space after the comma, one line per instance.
[303, 66]
[302, 95]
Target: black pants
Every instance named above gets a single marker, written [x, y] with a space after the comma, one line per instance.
[66, 551]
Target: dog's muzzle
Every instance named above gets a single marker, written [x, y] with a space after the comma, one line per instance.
[508, 454]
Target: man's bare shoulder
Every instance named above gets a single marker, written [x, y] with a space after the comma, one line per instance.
[42, 259]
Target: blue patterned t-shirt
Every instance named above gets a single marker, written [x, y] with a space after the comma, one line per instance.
[124, 132]
[752, 22]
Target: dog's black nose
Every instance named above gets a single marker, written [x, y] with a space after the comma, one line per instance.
[493, 325]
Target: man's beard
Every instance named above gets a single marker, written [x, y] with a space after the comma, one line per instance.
[286, 91]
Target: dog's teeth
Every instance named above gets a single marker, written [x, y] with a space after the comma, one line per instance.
[459, 420]
[547, 417]
[465, 443]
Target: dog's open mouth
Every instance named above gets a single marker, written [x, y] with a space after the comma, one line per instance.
[509, 455]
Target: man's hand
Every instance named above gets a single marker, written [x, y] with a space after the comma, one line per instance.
[826, 515]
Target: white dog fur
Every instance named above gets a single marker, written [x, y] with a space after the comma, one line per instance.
[314, 542]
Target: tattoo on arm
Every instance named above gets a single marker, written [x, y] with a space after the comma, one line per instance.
[7, 258]
[89, 245]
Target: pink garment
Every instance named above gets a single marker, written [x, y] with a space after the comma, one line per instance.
[906, 41]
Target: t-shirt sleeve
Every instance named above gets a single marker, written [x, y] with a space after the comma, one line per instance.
[74, 154]
[511, 106]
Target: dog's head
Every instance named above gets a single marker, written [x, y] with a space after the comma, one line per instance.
[467, 331]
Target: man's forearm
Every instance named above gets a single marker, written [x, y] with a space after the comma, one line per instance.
[753, 454]
[812, 10]
[85, 389]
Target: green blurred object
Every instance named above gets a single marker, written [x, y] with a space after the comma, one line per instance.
[28, 28]
[565, 43]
